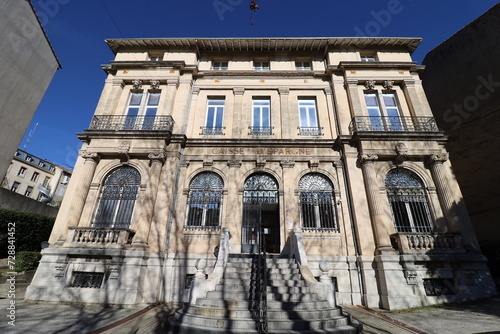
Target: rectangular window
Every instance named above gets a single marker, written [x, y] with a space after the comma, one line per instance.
[261, 65]
[261, 116]
[41, 164]
[46, 181]
[141, 111]
[219, 65]
[155, 57]
[308, 118]
[34, 177]
[22, 171]
[368, 58]
[29, 191]
[15, 186]
[384, 114]
[29, 159]
[303, 65]
[215, 115]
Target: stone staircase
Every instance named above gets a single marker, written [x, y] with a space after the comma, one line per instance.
[291, 306]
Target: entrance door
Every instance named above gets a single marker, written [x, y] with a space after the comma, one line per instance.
[260, 214]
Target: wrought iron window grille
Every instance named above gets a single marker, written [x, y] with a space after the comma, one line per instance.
[260, 130]
[392, 124]
[212, 131]
[310, 131]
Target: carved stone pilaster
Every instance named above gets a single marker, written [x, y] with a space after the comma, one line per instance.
[370, 84]
[137, 84]
[438, 158]
[388, 84]
[90, 156]
[287, 164]
[234, 163]
[155, 84]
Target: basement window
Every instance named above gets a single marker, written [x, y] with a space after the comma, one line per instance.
[83, 279]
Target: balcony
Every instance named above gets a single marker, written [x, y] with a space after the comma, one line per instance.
[132, 123]
[310, 131]
[425, 243]
[99, 237]
[392, 124]
[260, 130]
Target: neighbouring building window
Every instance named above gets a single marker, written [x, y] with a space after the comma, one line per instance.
[261, 65]
[118, 198]
[368, 58]
[205, 201]
[383, 111]
[29, 159]
[29, 191]
[215, 116]
[22, 171]
[302, 65]
[408, 201]
[15, 187]
[41, 164]
[317, 203]
[219, 65]
[34, 177]
[141, 111]
[308, 117]
[261, 116]
[46, 181]
[155, 57]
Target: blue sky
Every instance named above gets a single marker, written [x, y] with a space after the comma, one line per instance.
[77, 30]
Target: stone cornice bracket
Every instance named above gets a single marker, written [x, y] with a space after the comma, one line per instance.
[234, 163]
[90, 156]
[367, 158]
[157, 157]
[287, 164]
[154, 83]
[173, 82]
[284, 90]
[123, 150]
[137, 84]
[438, 158]
[350, 82]
[388, 84]
[238, 90]
[370, 84]
[260, 163]
[196, 90]
[401, 153]
[208, 163]
[337, 164]
[313, 165]
[185, 163]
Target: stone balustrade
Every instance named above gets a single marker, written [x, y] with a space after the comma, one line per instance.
[99, 237]
[419, 243]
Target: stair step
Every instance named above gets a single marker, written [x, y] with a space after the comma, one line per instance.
[286, 297]
[271, 304]
[249, 275]
[271, 289]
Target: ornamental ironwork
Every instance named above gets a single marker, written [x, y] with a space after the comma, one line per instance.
[132, 123]
[393, 124]
[260, 188]
[205, 201]
[317, 203]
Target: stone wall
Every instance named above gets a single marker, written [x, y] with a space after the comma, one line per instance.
[11, 201]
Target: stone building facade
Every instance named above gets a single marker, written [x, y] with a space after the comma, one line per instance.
[326, 145]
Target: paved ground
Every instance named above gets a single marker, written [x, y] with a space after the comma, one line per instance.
[479, 317]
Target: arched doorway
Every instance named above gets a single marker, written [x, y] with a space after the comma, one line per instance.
[260, 214]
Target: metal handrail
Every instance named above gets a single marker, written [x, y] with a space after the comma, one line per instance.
[132, 123]
[393, 124]
[262, 284]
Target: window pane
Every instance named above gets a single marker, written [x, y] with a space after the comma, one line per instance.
[218, 120]
[371, 100]
[153, 100]
[389, 100]
[210, 117]
[135, 99]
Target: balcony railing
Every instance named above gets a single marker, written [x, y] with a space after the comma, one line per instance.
[421, 243]
[132, 123]
[310, 131]
[212, 130]
[260, 130]
[393, 124]
[99, 237]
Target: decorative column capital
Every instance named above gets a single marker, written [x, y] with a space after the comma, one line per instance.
[173, 82]
[196, 90]
[438, 158]
[350, 82]
[157, 157]
[238, 90]
[408, 83]
[287, 164]
[284, 91]
[388, 84]
[234, 163]
[370, 84]
[367, 158]
[90, 156]
[118, 83]
[327, 90]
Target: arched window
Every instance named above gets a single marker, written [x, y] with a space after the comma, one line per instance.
[317, 203]
[205, 200]
[408, 200]
[118, 197]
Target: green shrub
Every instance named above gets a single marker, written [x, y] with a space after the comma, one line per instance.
[29, 231]
[27, 260]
